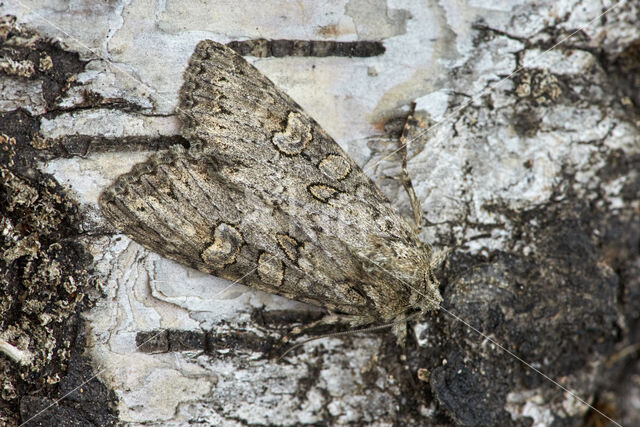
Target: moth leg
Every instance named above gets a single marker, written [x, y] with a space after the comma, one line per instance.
[400, 331]
[333, 319]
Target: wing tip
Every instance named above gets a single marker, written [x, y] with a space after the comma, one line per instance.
[121, 184]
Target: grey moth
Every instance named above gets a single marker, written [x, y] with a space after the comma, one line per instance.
[265, 197]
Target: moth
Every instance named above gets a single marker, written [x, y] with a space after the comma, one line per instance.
[265, 197]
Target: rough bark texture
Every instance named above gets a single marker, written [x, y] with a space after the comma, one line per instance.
[45, 271]
[534, 184]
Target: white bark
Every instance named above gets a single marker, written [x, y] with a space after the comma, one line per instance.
[138, 50]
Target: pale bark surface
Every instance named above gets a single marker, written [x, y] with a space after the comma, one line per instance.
[534, 184]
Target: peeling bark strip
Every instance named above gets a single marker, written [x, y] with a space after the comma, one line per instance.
[162, 341]
[263, 48]
[174, 340]
[84, 145]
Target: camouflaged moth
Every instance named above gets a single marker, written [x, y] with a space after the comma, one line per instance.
[263, 196]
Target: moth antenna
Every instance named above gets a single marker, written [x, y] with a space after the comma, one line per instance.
[357, 331]
[405, 179]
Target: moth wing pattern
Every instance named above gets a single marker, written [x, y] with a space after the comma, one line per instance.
[265, 197]
[177, 204]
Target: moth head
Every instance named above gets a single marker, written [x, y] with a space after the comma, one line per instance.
[429, 299]
[415, 270]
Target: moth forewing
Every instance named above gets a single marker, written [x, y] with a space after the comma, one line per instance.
[265, 197]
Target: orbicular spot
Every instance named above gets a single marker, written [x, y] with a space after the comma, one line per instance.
[295, 136]
[322, 192]
[335, 167]
[270, 269]
[289, 245]
[225, 247]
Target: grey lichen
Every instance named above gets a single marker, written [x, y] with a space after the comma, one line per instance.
[44, 270]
